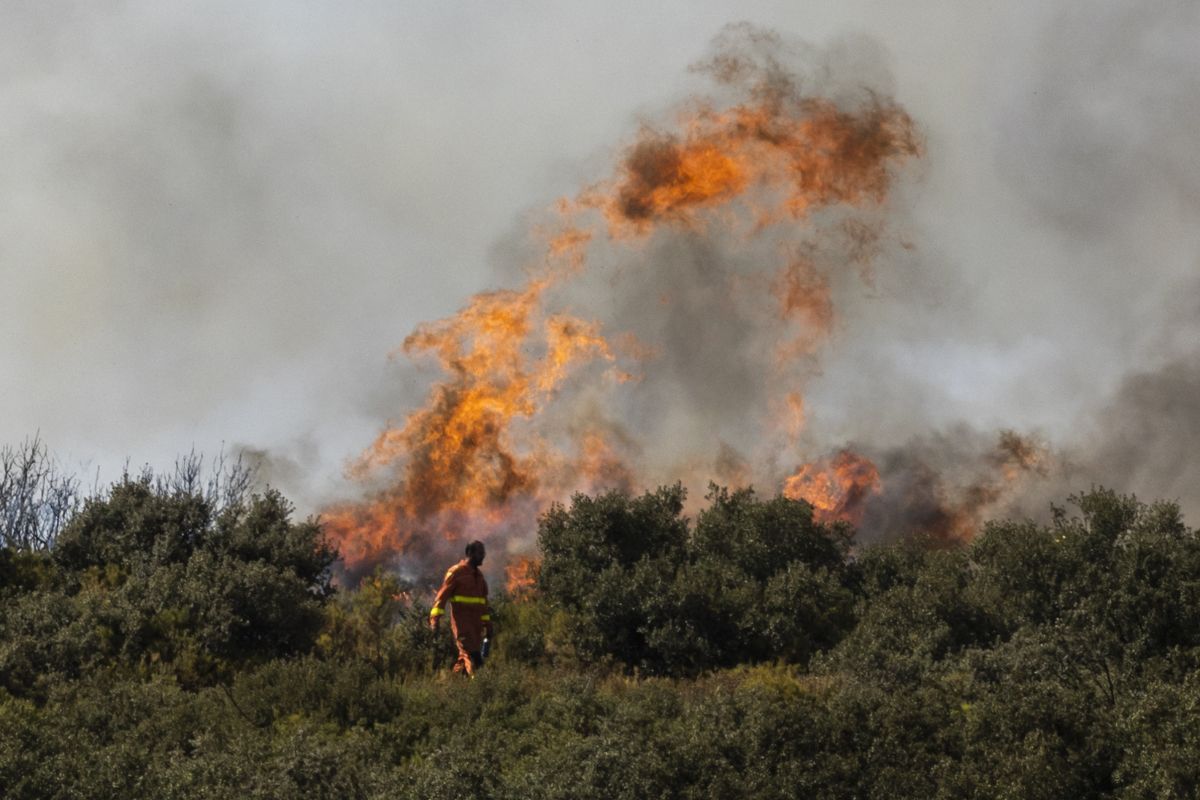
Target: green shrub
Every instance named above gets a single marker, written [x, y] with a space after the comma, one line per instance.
[756, 580]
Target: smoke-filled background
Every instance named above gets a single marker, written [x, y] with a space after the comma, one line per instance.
[218, 223]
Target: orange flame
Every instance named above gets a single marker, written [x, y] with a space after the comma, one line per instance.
[476, 457]
[803, 296]
[456, 457]
[837, 488]
[814, 153]
[1013, 458]
[521, 576]
[795, 419]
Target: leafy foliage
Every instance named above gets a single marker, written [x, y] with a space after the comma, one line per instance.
[147, 576]
[755, 580]
[169, 646]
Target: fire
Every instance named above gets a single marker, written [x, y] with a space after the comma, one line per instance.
[936, 504]
[1013, 459]
[456, 458]
[795, 419]
[812, 153]
[663, 177]
[803, 296]
[505, 433]
[569, 341]
[1016, 456]
[570, 246]
[837, 488]
[600, 465]
[521, 576]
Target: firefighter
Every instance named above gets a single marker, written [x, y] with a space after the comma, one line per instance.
[470, 616]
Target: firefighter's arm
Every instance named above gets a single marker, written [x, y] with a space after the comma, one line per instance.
[439, 602]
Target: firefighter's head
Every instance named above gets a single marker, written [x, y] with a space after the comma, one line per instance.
[475, 553]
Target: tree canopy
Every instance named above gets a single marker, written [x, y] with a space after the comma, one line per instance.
[168, 643]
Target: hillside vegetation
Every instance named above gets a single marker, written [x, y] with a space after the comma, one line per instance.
[173, 643]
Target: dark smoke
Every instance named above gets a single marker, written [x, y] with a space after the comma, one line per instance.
[1148, 436]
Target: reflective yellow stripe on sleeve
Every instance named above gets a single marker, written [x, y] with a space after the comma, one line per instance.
[486, 618]
[459, 598]
[436, 612]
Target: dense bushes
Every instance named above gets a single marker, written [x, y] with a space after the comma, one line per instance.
[315, 728]
[146, 576]
[754, 580]
[164, 650]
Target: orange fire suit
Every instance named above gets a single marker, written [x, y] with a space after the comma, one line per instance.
[470, 616]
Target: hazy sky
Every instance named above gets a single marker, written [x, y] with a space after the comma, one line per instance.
[216, 222]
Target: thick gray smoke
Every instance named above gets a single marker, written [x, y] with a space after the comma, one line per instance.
[1086, 303]
[1100, 144]
[1097, 143]
[1147, 437]
[217, 222]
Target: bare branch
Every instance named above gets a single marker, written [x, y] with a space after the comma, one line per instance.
[36, 497]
